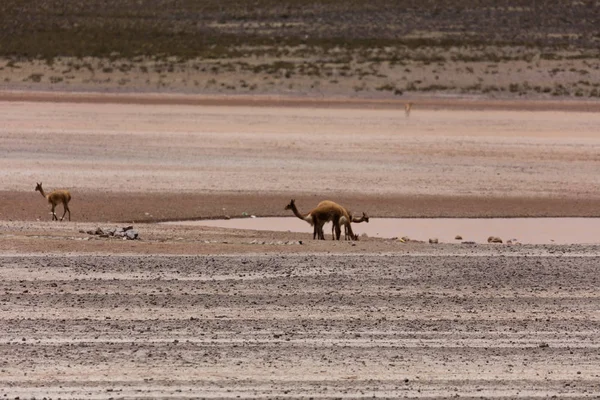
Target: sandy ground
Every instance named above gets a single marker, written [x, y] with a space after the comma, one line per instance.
[133, 162]
[190, 312]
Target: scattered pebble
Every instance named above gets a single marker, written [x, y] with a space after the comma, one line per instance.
[277, 242]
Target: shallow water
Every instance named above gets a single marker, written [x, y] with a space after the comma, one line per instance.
[524, 230]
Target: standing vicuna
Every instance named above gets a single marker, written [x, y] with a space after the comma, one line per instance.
[324, 212]
[56, 197]
[407, 108]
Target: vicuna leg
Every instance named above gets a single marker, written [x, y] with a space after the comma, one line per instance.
[66, 209]
[54, 217]
[320, 230]
[316, 233]
[338, 231]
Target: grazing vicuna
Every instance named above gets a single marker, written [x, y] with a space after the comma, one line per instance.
[357, 220]
[56, 197]
[324, 212]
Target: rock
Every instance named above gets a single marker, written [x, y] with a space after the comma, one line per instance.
[494, 239]
[405, 239]
[119, 232]
[458, 237]
[468, 242]
[433, 240]
[131, 234]
[227, 217]
[98, 231]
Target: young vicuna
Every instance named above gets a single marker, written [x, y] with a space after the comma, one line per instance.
[357, 220]
[56, 197]
[407, 108]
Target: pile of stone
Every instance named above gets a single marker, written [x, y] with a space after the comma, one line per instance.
[126, 233]
[278, 242]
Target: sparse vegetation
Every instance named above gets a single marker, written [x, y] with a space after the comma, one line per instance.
[280, 42]
[34, 77]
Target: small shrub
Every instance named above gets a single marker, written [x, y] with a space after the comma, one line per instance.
[387, 87]
[37, 78]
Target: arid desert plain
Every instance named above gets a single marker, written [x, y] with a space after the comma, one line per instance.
[192, 311]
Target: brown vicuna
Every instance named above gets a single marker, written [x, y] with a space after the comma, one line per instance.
[310, 217]
[56, 197]
[407, 108]
[357, 220]
[324, 212]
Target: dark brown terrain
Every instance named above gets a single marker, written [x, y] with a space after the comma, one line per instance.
[363, 49]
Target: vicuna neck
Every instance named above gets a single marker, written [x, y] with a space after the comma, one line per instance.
[296, 212]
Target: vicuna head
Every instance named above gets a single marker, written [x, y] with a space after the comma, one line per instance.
[291, 206]
[365, 217]
[38, 187]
